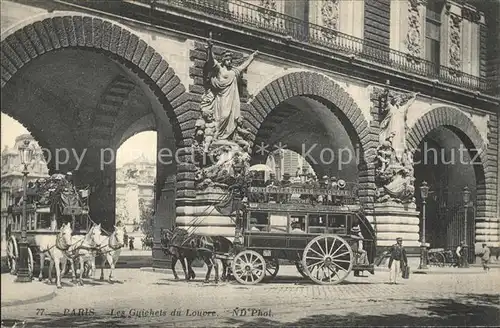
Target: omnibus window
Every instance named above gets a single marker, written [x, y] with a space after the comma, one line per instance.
[261, 219]
[301, 219]
[316, 223]
[44, 220]
[278, 222]
[337, 224]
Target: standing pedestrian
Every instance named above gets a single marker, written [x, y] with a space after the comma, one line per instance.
[397, 260]
[485, 257]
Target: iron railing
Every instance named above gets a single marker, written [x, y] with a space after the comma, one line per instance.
[293, 29]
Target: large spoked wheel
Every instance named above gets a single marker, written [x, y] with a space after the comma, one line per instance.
[12, 254]
[327, 259]
[249, 267]
[437, 259]
[272, 268]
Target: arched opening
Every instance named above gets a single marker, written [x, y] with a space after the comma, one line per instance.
[13, 135]
[286, 162]
[446, 159]
[314, 129]
[136, 165]
[95, 100]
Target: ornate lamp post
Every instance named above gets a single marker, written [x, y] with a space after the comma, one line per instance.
[424, 193]
[23, 274]
[466, 199]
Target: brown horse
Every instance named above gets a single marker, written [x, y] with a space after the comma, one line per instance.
[182, 245]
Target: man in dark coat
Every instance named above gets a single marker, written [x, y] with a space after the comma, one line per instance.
[397, 260]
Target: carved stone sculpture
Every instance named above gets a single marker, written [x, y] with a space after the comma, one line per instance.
[330, 17]
[394, 166]
[455, 36]
[413, 36]
[267, 10]
[220, 140]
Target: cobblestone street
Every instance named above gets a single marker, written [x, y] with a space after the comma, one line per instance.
[456, 298]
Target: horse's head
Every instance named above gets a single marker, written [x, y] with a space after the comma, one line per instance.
[119, 235]
[94, 234]
[63, 240]
[166, 236]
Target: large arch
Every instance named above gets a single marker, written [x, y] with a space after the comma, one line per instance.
[23, 44]
[464, 128]
[319, 88]
[33, 41]
[316, 86]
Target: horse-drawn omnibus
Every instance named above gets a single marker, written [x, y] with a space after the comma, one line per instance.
[50, 204]
[323, 231]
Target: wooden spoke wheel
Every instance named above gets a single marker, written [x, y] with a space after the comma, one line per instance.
[12, 254]
[248, 267]
[327, 259]
[300, 269]
[272, 267]
[436, 259]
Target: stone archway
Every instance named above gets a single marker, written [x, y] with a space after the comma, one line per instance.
[329, 93]
[58, 33]
[464, 128]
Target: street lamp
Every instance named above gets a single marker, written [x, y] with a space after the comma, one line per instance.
[24, 274]
[466, 199]
[424, 193]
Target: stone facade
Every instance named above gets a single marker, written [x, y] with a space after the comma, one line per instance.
[323, 81]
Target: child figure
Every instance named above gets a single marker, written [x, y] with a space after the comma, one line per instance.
[241, 135]
[210, 129]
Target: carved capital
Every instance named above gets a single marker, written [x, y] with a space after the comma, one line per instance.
[471, 15]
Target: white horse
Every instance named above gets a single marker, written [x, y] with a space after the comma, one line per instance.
[110, 250]
[83, 249]
[54, 245]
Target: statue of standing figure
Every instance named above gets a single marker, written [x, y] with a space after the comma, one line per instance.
[394, 159]
[221, 95]
[395, 124]
[219, 132]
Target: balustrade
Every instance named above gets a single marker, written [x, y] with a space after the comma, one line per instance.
[296, 30]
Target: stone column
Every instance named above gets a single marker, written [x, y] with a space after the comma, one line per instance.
[101, 177]
[165, 195]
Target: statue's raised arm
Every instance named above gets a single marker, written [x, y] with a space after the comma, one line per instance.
[247, 62]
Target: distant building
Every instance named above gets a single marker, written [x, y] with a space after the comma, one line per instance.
[134, 184]
[134, 189]
[12, 176]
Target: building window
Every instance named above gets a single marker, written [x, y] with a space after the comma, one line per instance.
[433, 34]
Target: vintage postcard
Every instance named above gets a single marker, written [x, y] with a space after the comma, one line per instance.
[250, 163]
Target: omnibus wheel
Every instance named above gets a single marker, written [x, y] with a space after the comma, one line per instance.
[327, 259]
[249, 267]
[31, 263]
[12, 254]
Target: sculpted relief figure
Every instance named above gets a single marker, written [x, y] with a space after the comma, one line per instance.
[394, 161]
[219, 133]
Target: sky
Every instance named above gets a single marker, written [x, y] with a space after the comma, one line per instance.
[143, 143]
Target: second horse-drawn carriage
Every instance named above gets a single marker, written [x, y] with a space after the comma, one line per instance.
[50, 203]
